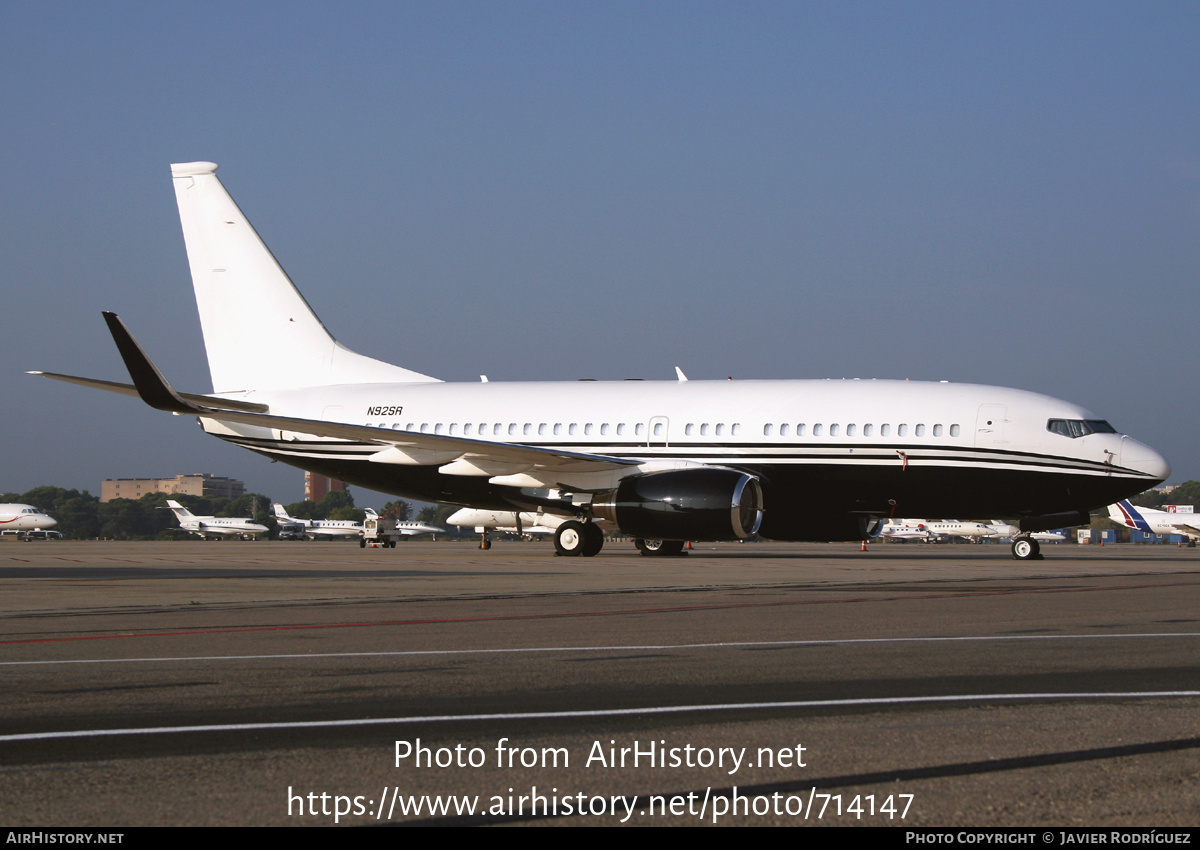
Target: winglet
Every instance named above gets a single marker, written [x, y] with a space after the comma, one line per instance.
[150, 384]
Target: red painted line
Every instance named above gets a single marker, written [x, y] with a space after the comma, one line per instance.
[601, 613]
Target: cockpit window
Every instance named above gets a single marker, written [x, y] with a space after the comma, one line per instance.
[1079, 427]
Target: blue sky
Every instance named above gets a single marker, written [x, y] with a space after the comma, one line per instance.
[1004, 193]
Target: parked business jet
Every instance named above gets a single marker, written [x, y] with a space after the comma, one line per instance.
[678, 460]
[15, 517]
[1156, 522]
[506, 522]
[215, 526]
[318, 527]
[906, 529]
[959, 528]
[408, 527]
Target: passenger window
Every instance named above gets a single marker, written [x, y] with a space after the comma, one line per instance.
[528, 429]
[658, 429]
[557, 428]
[704, 429]
[937, 430]
[604, 428]
[453, 428]
[921, 430]
[885, 430]
[587, 429]
[736, 429]
[783, 430]
[424, 427]
[868, 430]
[833, 430]
[850, 430]
[541, 429]
[800, 430]
[817, 430]
[766, 430]
[902, 430]
[620, 429]
[954, 430]
[512, 429]
[572, 428]
[720, 428]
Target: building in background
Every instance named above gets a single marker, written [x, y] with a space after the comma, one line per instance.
[201, 484]
[317, 486]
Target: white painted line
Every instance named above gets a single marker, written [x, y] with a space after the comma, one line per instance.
[614, 712]
[614, 648]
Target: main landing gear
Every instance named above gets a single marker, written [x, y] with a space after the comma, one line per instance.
[1026, 549]
[574, 538]
[659, 548]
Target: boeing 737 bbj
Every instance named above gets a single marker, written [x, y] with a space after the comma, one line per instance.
[670, 461]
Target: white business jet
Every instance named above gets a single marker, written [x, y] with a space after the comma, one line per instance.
[18, 518]
[506, 522]
[318, 527]
[670, 461]
[906, 529]
[215, 526]
[408, 527]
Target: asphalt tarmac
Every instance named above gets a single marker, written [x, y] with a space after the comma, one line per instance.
[276, 683]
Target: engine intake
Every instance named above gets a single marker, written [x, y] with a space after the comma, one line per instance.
[685, 504]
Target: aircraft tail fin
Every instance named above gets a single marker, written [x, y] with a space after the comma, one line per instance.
[253, 317]
[280, 512]
[178, 509]
[1126, 514]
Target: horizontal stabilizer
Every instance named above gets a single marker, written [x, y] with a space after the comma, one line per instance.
[130, 390]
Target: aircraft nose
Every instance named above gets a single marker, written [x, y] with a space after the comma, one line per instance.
[48, 522]
[1139, 456]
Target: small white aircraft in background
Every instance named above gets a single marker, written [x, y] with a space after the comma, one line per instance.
[998, 529]
[15, 517]
[408, 528]
[1156, 522]
[506, 522]
[958, 528]
[215, 526]
[906, 529]
[318, 527]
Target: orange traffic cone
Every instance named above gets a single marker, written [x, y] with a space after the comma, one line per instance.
[864, 546]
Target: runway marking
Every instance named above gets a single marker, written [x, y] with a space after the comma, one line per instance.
[614, 648]
[616, 612]
[601, 712]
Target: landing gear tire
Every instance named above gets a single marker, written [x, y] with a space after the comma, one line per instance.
[485, 542]
[1026, 549]
[659, 548]
[362, 543]
[571, 539]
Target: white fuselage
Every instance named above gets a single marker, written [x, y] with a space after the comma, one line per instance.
[925, 448]
[15, 517]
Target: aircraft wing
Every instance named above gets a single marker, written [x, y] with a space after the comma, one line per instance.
[456, 455]
[1190, 529]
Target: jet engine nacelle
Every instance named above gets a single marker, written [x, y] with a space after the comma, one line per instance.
[685, 504]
